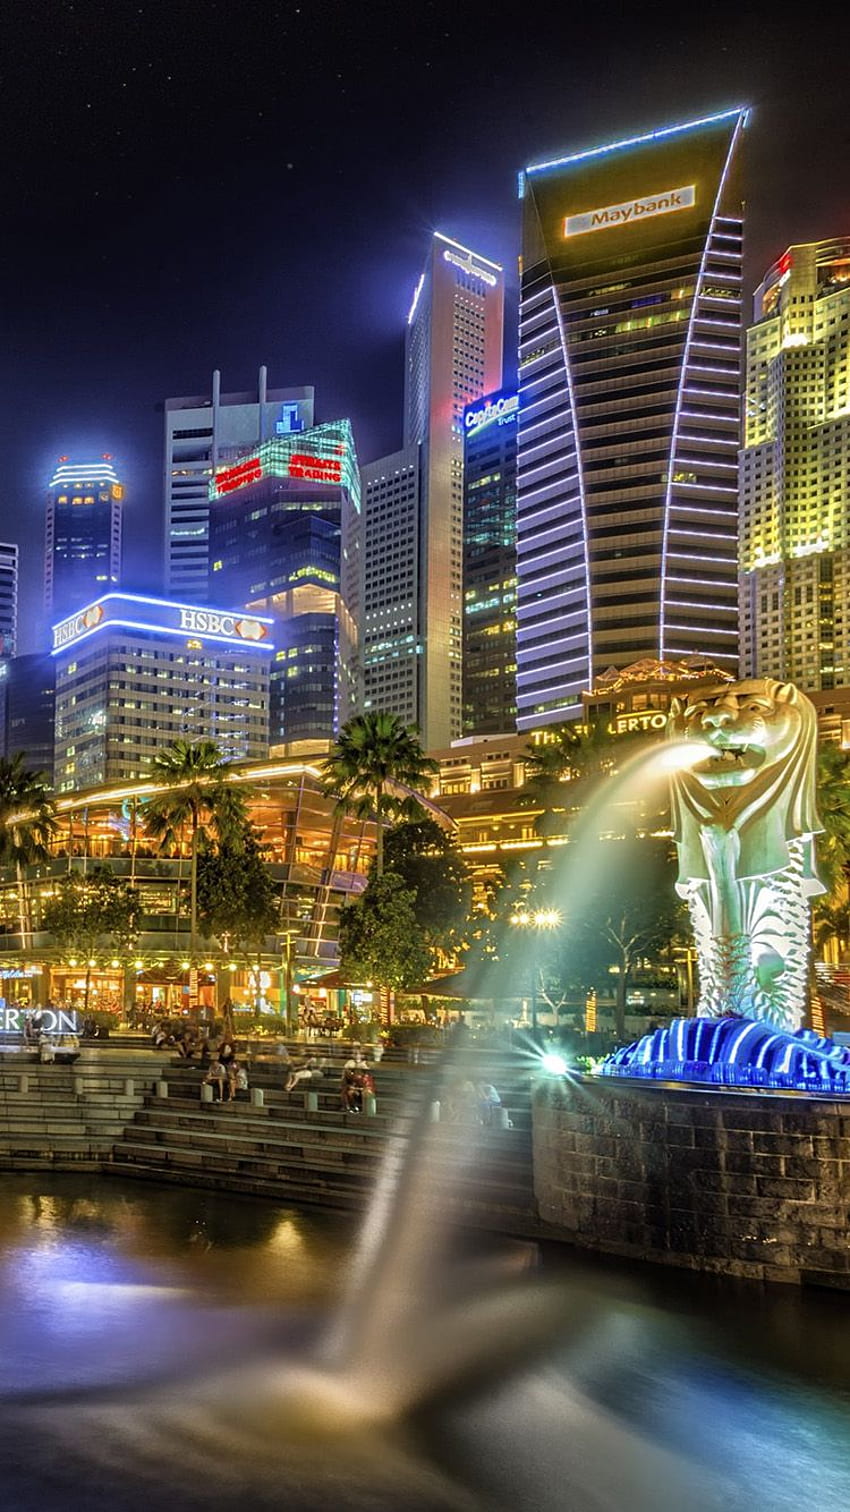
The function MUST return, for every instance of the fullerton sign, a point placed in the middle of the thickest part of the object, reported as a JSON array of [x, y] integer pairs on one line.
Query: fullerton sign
[[631, 210], [647, 719]]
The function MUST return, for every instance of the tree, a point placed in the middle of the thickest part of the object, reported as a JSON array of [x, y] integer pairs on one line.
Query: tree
[[426, 858], [833, 801], [627, 909], [27, 824], [375, 767], [379, 937], [200, 799], [237, 898], [90, 912]]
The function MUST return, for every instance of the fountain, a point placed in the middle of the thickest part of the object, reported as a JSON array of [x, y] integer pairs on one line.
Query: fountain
[[694, 1170]]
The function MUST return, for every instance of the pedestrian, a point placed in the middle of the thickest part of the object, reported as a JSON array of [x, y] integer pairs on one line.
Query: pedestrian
[[489, 1103], [310, 1070], [216, 1077]]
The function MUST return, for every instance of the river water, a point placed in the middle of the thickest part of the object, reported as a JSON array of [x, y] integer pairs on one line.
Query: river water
[[160, 1344]]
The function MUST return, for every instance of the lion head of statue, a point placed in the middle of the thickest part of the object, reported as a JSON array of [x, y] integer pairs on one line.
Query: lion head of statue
[[755, 775]]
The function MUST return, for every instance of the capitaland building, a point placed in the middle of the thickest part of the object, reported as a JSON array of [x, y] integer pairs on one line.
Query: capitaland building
[[489, 564], [795, 473], [134, 674], [83, 528], [630, 325], [284, 541], [412, 600], [318, 860], [204, 432]]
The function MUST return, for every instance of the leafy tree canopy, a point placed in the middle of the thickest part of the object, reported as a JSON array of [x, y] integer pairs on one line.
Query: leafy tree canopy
[[93, 911], [426, 858], [237, 897], [376, 766], [380, 938]]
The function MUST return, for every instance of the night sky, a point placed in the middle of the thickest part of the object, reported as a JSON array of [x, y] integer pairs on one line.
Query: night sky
[[189, 186]]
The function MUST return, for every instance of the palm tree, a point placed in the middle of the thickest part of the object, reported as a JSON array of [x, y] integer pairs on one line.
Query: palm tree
[[575, 751], [833, 801], [199, 798], [376, 766], [27, 824]]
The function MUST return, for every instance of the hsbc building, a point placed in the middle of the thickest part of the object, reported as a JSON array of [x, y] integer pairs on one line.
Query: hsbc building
[[134, 673]]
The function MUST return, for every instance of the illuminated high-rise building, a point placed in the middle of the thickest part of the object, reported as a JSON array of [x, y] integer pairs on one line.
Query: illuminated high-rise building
[[489, 564], [30, 691], [82, 543], [203, 433], [630, 323], [8, 625], [8, 598], [412, 615], [284, 537], [134, 673], [795, 472]]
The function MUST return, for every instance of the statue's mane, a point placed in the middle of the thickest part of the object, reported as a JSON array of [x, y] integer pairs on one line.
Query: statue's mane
[[776, 806]]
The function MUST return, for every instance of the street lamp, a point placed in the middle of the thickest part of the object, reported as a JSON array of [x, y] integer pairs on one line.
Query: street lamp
[[539, 918]]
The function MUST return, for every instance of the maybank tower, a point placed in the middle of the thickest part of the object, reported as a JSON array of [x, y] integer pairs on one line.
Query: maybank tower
[[630, 392]]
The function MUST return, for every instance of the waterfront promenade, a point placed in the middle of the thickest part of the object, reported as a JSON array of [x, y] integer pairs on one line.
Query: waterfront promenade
[[126, 1109]]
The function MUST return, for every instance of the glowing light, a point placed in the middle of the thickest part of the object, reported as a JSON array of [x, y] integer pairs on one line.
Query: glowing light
[[555, 1065], [416, 293], [467, 251], [649, 136]]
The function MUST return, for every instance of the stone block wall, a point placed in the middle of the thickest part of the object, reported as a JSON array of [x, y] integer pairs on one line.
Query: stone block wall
[[747, 1184]]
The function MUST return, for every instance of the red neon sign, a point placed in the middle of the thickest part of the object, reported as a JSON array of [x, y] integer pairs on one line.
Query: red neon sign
[[236, 477], [317, 469]]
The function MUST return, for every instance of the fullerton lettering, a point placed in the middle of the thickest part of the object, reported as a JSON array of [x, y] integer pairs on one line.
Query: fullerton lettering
[[631, 210]]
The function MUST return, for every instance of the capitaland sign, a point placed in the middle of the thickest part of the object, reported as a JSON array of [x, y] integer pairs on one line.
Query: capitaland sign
[[210, 622], [647, 719], [631, 211], [501, 411]]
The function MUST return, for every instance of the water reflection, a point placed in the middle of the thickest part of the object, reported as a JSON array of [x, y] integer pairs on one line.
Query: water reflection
[[662, 1390]]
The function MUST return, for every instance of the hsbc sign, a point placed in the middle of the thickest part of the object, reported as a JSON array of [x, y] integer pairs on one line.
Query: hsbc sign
[[131, 611], [631, 211]]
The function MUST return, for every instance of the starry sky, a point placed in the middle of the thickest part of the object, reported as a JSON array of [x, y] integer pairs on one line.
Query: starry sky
[[197, 185]]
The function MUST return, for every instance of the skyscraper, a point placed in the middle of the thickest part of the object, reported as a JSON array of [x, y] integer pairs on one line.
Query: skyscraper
[[795, 471], [135, 673], [82, 542], [8, 625], [413, 500], [30, 692], [8, 599], [630, 322], [201, 434], [489, 564], [284, 533]]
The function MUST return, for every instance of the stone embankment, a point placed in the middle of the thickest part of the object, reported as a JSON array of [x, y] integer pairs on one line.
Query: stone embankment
[[141, 1114], [740, 1183]]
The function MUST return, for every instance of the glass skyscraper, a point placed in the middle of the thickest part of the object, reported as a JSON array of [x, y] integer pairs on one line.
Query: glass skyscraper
[[82, 546], [630, 327], [489, 564]]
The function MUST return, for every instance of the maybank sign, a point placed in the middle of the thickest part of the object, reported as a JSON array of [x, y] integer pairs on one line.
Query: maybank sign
[[501, 411], [631, 211], [131, 611]]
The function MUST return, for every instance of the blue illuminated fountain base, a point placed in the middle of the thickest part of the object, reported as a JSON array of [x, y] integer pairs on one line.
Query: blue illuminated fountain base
[[735, 1052]]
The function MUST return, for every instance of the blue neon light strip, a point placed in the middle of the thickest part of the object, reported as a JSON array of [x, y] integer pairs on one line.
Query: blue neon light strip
[[649, 136], [138, 598], [200, 635], [690, 340]]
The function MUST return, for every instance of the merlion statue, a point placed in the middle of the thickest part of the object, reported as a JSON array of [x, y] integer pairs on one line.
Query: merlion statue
[[745, 821]]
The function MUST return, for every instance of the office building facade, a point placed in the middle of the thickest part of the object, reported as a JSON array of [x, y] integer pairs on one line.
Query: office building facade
[[82, 537], [795, 472], [203, 433], [284, 541], [8, 624], [413, 579], [489, 564], [30, 692], [630, 323], [134, 674]]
